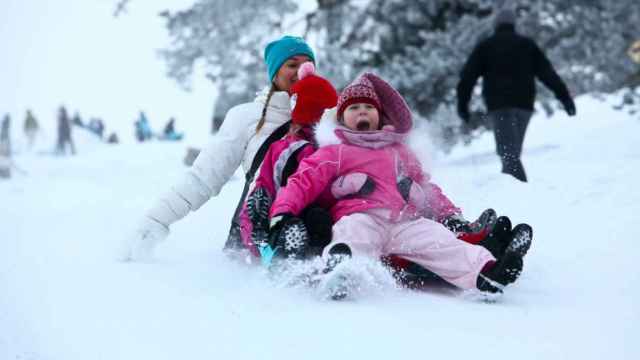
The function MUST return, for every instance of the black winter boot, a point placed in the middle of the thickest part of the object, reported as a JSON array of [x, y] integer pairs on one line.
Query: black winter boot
[[291, 239], [499, 237], [509, 265], [501, 274], [522, 236], [486, 220], [513, 166]]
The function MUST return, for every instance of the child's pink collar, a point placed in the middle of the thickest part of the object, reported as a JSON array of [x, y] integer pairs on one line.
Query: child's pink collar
[[370, 139]]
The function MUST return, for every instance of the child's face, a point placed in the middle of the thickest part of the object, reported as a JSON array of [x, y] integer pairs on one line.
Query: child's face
[[361, 117]]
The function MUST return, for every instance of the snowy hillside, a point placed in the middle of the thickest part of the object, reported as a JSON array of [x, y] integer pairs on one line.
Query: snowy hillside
[[64, 296]]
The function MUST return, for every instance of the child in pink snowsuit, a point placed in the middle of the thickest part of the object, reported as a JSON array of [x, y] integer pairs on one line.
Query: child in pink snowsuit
[[374, 121]]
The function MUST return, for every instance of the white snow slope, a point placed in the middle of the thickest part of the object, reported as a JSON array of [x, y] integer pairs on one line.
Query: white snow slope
[[64, 296]]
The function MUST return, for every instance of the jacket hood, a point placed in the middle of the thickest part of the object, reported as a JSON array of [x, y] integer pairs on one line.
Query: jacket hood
[[395, 111]]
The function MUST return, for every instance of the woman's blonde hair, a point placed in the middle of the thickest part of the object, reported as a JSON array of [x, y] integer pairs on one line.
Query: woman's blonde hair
[[264, 109]]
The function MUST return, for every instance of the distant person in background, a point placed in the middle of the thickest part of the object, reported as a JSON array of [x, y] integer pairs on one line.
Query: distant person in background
[[5, 137], [77, 120], [5, 147], [142, 128], [169, 132], [113, 139], [509, 63], [64, 134], [31, 128], [170, 128], [100, 127], [96, 126]]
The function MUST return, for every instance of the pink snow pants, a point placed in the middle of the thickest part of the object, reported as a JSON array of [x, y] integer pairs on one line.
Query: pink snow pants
[[422, 241]]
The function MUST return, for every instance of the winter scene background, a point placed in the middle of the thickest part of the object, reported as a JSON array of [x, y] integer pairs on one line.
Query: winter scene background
[[65, 295]]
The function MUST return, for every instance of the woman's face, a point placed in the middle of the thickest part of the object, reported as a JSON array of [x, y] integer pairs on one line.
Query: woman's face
[[288, 73], [361, 117]]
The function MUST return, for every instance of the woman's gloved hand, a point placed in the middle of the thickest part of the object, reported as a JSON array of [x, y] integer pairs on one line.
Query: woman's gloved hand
[[139, 246]]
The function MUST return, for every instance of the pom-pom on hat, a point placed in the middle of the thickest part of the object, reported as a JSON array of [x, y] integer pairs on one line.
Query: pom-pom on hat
[[313, 95], [278, 51]]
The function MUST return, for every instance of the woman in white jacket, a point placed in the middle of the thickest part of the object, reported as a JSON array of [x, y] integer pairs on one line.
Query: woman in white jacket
[[246, 131]]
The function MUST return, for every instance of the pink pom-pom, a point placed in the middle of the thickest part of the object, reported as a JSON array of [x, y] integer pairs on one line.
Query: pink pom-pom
[[305, 69]]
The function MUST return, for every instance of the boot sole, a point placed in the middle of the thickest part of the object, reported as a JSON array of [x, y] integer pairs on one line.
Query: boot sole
[[521, 241], [486, 221]]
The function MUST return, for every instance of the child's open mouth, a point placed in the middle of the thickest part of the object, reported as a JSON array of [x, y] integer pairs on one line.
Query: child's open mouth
[[362, 125]]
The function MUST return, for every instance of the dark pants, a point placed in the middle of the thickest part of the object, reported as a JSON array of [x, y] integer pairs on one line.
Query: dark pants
[[509, 128], [61, 146]]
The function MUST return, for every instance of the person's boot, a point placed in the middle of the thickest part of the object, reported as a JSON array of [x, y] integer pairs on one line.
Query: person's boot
[[509, 265], [337, 254], [499, 237], [473, 232], [485, 222], [521, 238], [500, 274], [518, 171], [338, 285], [514, 168], [291, 239]]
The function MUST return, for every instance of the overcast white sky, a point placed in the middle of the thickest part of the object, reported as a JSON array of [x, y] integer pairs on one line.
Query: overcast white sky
[[74, 52]]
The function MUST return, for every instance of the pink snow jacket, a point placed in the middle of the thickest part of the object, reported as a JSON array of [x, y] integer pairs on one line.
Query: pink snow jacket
[[385, 160], [399, 183]]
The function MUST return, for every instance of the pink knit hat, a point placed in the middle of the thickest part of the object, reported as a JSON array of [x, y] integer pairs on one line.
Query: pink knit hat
[[361, 90], [371, 89]]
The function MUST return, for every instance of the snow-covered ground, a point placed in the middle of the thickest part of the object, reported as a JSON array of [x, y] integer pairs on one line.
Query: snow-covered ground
[[64, 296]]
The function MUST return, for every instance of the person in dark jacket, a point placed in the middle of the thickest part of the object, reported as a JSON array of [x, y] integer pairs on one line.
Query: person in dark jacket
[[5, 136], [113, 139], [509, 63], [64, 133], [31, 128]]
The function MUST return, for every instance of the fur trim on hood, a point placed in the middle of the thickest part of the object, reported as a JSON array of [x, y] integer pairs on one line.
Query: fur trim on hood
[[325, 129]]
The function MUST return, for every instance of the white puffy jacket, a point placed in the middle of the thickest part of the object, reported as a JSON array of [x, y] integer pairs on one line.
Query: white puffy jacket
[[235, 143]]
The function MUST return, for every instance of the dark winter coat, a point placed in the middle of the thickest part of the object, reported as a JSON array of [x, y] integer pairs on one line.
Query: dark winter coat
[[508, 63], [64, 128]]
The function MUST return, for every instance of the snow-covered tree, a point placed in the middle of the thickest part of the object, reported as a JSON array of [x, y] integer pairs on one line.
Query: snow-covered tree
[[419, 46], [226, 39]]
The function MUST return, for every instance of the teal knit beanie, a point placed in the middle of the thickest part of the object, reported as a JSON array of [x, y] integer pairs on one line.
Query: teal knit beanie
[[278, 51]]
